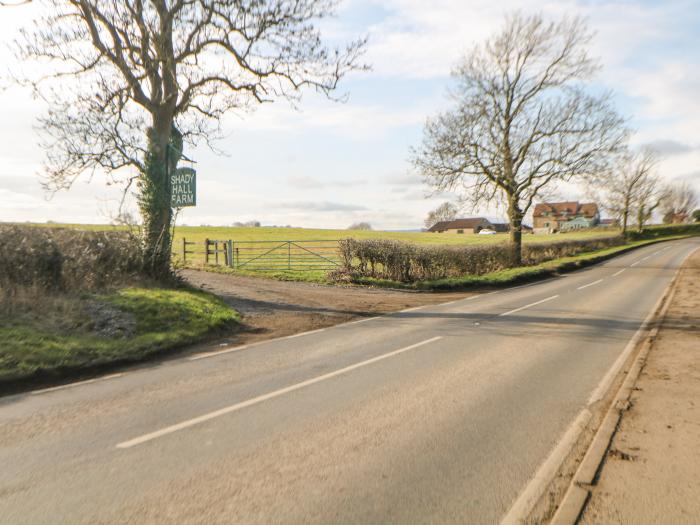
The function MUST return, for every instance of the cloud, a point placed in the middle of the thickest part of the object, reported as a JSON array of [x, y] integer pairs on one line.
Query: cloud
[[669, 147], [403, 179], [352, 119], [304, 182], [309, 183], [326, 206], [13, 200]]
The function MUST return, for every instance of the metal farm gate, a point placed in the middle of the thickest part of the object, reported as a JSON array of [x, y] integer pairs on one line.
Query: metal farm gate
[[285, 255], [263, 255]]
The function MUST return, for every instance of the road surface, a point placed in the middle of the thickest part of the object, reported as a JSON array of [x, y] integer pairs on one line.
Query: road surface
[[439, 414]]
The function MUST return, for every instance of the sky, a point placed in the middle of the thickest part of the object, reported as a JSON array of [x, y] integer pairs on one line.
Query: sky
[[327, 164]]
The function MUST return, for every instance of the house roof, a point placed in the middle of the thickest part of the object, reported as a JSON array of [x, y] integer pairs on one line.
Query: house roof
[[587, 209], [459, 224]]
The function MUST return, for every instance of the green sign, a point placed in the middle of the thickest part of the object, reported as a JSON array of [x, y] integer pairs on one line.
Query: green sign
[[184, 188]]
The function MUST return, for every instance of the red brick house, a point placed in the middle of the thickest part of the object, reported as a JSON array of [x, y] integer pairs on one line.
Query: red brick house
[[550, 217]]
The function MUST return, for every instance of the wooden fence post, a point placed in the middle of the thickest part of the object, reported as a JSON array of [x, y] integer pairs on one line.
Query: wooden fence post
[[206, 251], [184, 250]]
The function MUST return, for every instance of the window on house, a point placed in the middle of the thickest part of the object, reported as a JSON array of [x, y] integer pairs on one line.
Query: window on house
[[460, 231]]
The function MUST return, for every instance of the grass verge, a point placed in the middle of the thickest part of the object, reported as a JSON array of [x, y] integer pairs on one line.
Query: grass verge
[[518, 275], [305, 276], [70, 335]]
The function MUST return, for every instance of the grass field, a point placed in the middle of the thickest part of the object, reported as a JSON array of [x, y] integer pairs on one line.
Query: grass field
[[264, 235], [199, 233]]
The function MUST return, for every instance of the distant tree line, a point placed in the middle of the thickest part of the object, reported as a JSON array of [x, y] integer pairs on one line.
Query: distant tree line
[[360, 226]]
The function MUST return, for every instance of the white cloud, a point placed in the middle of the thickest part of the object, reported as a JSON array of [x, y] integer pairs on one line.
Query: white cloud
[[12, 201], [344, 119]]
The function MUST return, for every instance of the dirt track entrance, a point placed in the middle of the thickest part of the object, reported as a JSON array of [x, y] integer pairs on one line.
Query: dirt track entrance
[[273, 308]]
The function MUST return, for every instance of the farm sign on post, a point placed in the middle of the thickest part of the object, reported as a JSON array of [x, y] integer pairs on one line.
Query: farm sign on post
[[184, 188]]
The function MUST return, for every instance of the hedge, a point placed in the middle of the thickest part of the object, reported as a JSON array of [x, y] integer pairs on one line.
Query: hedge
[[61, 258], [404, 262]]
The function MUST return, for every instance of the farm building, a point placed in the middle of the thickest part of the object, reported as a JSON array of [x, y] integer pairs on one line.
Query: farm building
[[550, 217], [468, 226]]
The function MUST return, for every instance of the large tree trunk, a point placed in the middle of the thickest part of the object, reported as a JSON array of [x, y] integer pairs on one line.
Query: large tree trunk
[[155, 195], [515, 217]]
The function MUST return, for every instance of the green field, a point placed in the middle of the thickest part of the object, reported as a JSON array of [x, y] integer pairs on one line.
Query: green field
[[199, 233], [254, 247], [264, 235]]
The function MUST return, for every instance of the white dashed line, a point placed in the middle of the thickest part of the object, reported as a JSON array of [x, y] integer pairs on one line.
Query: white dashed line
[[589, 284], [259, 399], [618, 272], [528, 306]]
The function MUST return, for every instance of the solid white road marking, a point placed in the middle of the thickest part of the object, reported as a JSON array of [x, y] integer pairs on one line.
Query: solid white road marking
[[618, 272], [528, 305], [535, 488], [589, 284], [410, 309], [363, 320], [78, 383], [305, 333], [259, 399], [635, 263], [544, 475], [204, 355]]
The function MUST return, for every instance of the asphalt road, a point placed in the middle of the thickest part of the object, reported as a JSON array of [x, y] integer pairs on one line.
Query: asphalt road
[[441, 414]]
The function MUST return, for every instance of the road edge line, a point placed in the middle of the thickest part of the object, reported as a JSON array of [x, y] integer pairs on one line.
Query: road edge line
[[536, 487], [578, 493]]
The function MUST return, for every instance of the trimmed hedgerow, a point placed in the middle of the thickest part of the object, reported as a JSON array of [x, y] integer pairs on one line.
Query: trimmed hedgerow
[[654, 232], [404, 262], [66, 259]]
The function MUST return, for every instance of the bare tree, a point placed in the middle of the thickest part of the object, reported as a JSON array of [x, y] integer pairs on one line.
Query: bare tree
[[679, 203], [521, 119], [631, 184], [651, 195], [135, 79], [447, 211]]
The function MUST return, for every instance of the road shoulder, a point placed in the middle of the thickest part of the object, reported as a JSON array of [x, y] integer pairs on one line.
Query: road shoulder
[[650, 469]]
